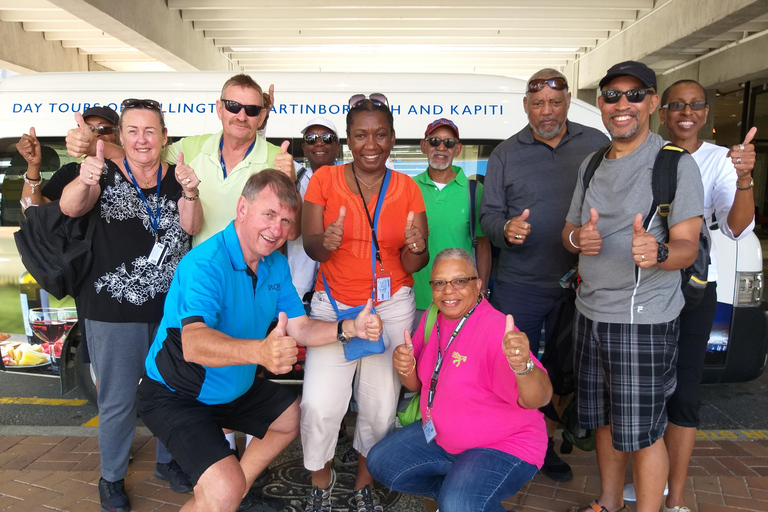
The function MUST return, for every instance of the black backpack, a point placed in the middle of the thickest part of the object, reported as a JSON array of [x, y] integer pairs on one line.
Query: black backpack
[[664, 184]]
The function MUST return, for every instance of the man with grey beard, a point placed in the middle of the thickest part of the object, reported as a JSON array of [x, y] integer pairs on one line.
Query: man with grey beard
[[528, 186]]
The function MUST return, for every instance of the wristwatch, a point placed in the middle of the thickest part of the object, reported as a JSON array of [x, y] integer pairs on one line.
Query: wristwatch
[[341, 335], [663, 253], [528, 368]]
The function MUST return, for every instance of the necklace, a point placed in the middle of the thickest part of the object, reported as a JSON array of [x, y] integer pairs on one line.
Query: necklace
[[372, 184]]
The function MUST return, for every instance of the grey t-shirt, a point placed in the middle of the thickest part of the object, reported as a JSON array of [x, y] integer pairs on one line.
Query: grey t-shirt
[[613, 288]]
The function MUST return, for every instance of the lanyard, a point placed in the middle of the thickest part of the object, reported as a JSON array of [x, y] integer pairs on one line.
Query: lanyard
[[368, 214], [221, 154], [154, 221], [439, 362]]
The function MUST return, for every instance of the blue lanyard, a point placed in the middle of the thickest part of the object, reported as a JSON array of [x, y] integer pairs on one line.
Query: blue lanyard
[[154, 221], [221, 154], [439, 362]]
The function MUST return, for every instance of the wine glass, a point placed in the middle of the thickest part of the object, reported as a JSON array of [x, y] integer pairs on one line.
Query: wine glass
[[51, 325]]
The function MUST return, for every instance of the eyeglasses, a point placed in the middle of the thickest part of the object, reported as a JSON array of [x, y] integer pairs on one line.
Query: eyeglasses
[[633, 96], [102, 130], [326, 138], [376, 98], [678, 106], [556, 83], [458, 284], [235, 108], [134, 103], [435, 142]]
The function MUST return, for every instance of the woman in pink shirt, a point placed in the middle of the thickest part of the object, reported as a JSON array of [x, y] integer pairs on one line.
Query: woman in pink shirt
[[481, 437]]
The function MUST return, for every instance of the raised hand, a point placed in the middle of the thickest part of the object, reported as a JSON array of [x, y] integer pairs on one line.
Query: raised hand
[[284, 161], [590, 239], [516, 346], [334, 232], [402, 356], [516, 228], [743, 156], [414, 239], [279, 351], [368, 325], [29, 147], [645, 248], [80, 140], [93, 166], [186, 177]]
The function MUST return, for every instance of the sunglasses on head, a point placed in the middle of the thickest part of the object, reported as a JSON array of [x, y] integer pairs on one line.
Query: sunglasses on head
[[679, 106], [556, 83], [134, 103], [376, 98], [327, 139], [435, 142], [633, 96], [235, 108], [102, 130]]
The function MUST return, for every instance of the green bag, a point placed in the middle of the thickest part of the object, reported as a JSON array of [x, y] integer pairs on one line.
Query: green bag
[[412, 413]]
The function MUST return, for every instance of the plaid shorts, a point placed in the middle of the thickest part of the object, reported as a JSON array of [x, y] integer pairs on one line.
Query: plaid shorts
[[625, 374]]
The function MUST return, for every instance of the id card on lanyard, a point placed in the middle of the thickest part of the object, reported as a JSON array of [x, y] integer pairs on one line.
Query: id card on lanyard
[[159, 249]]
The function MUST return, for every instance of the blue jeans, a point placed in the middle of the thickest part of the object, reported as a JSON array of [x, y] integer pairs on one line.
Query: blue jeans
[[477, 479]]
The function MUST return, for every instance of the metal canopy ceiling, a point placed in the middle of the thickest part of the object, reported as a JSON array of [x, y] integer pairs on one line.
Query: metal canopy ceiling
[[502, 37]]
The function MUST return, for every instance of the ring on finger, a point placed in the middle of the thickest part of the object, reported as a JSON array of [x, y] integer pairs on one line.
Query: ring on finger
[[642, 257], [517, 351], [741, 147], [738, 159], [90, 175], [518, 237], [414, 245], [187, 181]]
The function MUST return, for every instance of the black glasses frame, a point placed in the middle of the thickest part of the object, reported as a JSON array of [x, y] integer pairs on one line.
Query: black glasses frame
[[235, 108], [146, 103], [102, 130], [633, 95], [458, 284], [556, 83], [679, 106], [436, 141]]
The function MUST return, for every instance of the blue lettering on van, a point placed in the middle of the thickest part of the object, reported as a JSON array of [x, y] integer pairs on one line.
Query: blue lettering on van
[[321, 109], [283, 109], [412, 110], [26, 107], [395, 109], [454, 110], [334, 109]]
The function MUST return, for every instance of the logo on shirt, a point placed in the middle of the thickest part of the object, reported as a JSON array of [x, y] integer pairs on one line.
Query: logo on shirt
[[458, 359], [274, 287]]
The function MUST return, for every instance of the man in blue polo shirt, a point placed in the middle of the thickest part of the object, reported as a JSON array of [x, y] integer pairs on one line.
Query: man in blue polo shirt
[[201, 368]]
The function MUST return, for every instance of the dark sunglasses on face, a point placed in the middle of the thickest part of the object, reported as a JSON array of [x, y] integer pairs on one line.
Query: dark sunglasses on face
[[102, 130], [556, 83], [679, 106], [326, 138], [134, 103], [458, 284], [376, 98], [633, 96], [235, 108], [435, 142]]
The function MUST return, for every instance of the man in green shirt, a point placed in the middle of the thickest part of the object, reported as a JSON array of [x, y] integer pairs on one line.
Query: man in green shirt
[[445, 189]]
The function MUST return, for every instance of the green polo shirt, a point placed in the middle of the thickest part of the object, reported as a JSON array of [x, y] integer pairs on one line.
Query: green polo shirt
[[448, 221]]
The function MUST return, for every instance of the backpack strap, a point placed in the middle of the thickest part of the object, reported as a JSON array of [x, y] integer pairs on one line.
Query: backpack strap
[[472, 212], [430, 323], [664, 183], [593, 164]]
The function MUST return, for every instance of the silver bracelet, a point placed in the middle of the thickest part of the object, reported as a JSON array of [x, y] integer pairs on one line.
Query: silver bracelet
[[570, 239], [751, 184], [31, 182]]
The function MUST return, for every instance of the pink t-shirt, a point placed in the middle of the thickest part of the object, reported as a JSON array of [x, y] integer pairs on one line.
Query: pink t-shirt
[[475, 404]]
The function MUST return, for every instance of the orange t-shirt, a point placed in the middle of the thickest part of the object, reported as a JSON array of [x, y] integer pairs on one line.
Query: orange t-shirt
[[348, 271]]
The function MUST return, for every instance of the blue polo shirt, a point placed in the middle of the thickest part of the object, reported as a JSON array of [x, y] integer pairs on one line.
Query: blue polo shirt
[[213, 285]]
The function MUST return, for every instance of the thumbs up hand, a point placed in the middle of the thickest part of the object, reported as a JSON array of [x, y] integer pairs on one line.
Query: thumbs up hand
[[645, 248], [279, 351], [743, 157], [368, 325], [414, 239], [93, 166], [590, 239], [284, 161], [516, 346], [402, 357], [29, 147], [516, 228], [334, 232], [80, 140], [186, 177]]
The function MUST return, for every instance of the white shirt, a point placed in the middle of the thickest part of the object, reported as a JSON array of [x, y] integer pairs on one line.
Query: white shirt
[[303, 268]]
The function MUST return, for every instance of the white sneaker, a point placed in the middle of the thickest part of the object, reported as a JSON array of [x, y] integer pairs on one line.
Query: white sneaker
[[629, 495], [681, 508]]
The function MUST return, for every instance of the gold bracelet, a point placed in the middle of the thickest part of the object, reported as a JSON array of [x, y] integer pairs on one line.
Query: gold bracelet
[[193, 198], [412, 368]]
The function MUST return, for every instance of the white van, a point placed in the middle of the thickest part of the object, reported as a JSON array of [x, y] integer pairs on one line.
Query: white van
[[487, 110]]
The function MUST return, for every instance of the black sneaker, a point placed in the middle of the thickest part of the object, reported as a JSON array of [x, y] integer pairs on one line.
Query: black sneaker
[[173, 474], [554, 467], [366, 500], [319, 500], [113, 497], [254, 501]]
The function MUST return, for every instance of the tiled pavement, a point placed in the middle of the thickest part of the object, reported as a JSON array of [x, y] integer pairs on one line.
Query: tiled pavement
[[44, 473]]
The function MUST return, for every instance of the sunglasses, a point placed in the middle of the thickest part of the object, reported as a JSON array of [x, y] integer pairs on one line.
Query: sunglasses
[[679, 106], [102, 130], [134, 103], [435, 142], [235, 108], [458, 284], [327, 139], [633, 96], [376, 98], [556, 83]]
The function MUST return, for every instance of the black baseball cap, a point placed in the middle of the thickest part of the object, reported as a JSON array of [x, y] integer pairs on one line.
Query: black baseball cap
[[631, 68], [104, 113]]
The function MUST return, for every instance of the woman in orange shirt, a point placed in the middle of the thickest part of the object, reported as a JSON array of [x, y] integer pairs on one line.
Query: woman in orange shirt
[[368, 244]]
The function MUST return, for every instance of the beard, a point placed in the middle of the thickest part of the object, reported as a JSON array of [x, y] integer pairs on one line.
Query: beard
[[547, 134], [626, 135], [439, 166]]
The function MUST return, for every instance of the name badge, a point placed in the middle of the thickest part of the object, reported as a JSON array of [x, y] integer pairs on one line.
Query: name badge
[[429, 431], [383, 289], [157, 255]]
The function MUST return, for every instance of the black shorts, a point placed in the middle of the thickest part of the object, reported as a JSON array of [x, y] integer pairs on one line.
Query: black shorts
[[191, 430]]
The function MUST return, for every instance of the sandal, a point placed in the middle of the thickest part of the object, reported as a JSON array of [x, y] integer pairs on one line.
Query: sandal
[[595, 507]]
